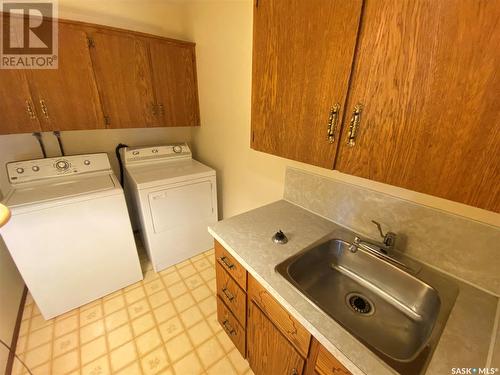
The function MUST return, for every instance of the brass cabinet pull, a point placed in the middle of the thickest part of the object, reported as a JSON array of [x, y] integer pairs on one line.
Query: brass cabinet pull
[[332, 122], [162, 109], [228, 294], [226, 263], [230, 330], [154, 109], [353, 126], [30, 111], [294, 372], [45, 110]]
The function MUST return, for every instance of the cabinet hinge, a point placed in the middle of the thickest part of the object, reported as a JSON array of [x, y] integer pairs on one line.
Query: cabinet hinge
[[256, 3], [107, 120], [253, 136], [90, 42]]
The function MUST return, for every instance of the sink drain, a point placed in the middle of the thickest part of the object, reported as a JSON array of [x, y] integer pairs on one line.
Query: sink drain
[[359, 304]]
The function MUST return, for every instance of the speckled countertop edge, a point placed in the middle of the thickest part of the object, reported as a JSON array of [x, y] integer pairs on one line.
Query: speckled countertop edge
[[247, 238]]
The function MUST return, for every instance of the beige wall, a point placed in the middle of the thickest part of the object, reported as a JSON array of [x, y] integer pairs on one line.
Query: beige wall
[[222, 31]]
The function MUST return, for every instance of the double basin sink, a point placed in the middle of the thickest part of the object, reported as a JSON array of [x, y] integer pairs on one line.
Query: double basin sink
[[396, 307]]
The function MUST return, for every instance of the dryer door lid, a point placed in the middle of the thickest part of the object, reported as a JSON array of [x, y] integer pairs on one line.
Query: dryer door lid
[[181, 206]]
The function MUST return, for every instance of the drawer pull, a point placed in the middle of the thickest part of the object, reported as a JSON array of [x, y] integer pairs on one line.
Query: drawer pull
[[230, 330], [227, 294], [226, 263], [294, 372]]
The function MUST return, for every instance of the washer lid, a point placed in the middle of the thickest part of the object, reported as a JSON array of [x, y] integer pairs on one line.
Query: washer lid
[[64, 187], [157, 174]]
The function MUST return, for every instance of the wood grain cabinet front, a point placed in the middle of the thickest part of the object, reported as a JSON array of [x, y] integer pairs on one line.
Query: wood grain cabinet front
[[66, 98], [232, 327], [269, 351], [327, 364], [417, 88], [231, 265], [106, 78], [231, 293]]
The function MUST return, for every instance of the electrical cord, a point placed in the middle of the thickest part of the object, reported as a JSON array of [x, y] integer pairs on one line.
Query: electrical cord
[[57, 133], [119, 157], [15, 355], [38, 136]]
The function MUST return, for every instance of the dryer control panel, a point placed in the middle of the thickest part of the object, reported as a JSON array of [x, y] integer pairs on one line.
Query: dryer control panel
[[160, 153], [38, 169]]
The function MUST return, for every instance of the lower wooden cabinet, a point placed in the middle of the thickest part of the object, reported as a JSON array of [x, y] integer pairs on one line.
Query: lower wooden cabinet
[[327, 364], [269, 352], [264, 332], [234, 330]]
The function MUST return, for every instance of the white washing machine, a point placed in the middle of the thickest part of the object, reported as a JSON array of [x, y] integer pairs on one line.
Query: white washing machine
[[70, 234], [175, 198]]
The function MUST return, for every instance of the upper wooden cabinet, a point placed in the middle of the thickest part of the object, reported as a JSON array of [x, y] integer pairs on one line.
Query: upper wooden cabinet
[[106, 78], [121, 67], [66, 98], [17, 111], [173, 68], [423, 103], [427, 76], [302, 57]]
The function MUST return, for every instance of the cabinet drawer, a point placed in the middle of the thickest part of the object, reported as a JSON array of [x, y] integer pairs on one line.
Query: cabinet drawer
[[285, 322], [233, 296], [231, 326], [231, 265], [327, 364]]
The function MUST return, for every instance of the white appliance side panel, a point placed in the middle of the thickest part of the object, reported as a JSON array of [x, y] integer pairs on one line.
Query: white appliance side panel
[[180, 206], [71, 255], [182, 230]]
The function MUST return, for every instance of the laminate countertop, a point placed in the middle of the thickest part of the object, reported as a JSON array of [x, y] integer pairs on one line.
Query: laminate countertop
[[467, 341]]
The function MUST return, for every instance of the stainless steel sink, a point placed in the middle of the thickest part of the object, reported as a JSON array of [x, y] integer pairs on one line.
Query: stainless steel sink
[[396, 307]]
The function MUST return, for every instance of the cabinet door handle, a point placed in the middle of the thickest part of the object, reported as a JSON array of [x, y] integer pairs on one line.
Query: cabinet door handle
[[162, 109], [353, 126], [294, 372], [230, 330], [30, 111], [332, 122], [228, 294], [45, 110], [224, 260], [154, 109]]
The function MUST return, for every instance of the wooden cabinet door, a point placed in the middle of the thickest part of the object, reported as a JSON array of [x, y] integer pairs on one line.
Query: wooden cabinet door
[[17, 111], [302, 57], [268, 351], [66, 98], [427, 75], [123, 76], [174, 79]]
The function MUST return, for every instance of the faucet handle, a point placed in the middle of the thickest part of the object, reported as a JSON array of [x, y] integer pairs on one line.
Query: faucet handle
[[389, 237], [379, 227]]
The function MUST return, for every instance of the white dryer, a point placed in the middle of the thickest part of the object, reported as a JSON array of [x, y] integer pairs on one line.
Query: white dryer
[[175, 198], [70, 234]]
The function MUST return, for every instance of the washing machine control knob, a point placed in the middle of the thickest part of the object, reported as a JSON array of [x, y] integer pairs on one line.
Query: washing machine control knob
[[177, 149], [20, 170], [35, 168]]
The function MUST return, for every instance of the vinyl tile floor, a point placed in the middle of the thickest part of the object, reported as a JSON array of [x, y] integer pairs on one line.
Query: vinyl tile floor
[[164, 324]]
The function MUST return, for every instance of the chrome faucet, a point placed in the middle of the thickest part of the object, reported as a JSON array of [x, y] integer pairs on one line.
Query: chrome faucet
[[388, 243]]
